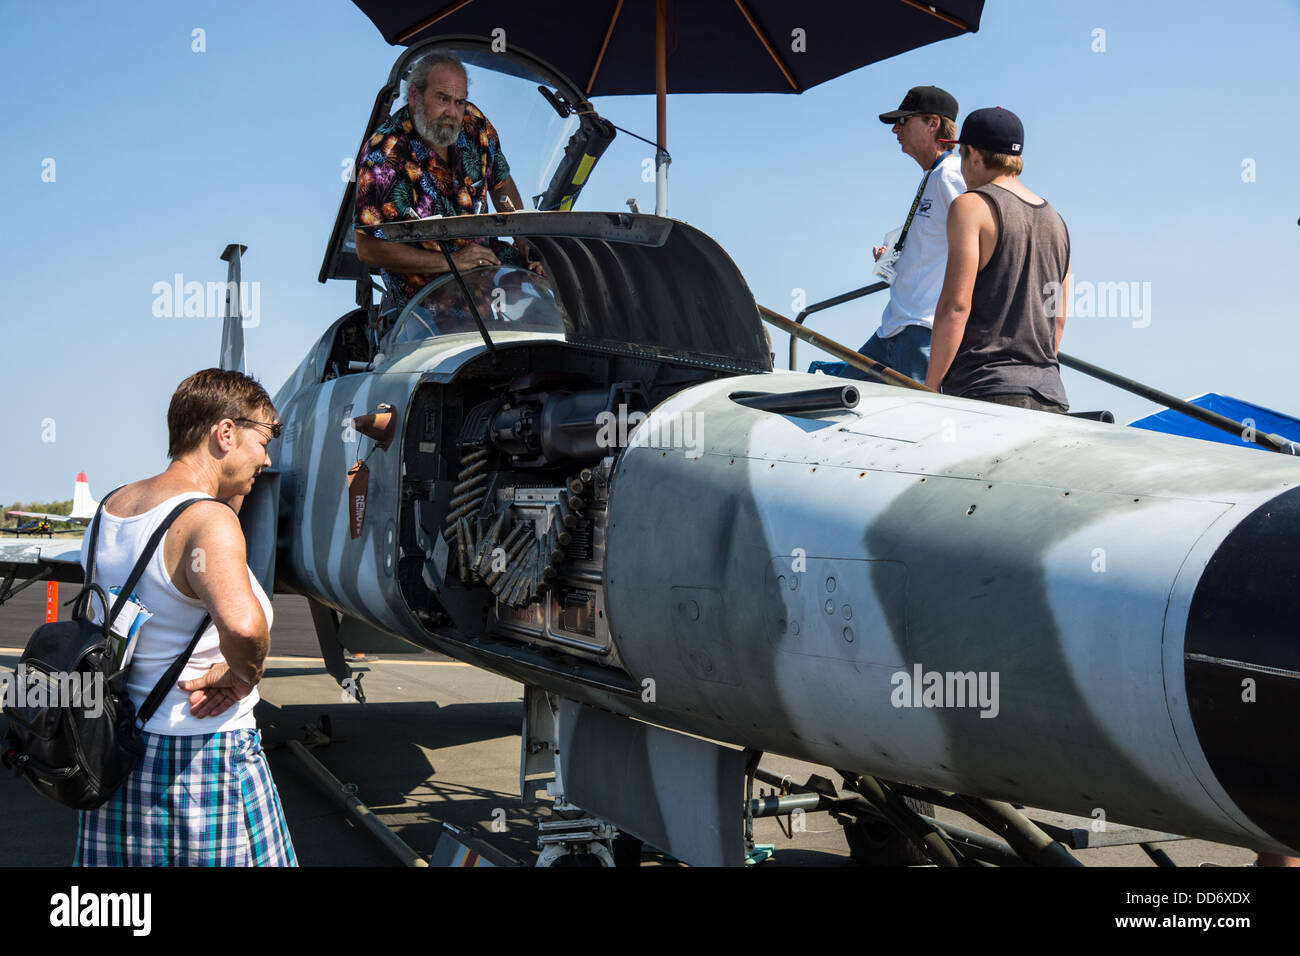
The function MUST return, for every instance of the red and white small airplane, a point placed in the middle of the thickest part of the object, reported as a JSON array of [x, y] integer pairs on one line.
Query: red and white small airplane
[[83, 505], [58, 559]]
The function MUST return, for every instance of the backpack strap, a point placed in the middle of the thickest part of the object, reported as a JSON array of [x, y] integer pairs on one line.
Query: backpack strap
[[81, 601], [155, 539], [164, 685], [83, 596]]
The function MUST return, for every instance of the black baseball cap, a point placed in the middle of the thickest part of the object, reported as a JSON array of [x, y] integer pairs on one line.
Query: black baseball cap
[[923, 99], [993, 128]]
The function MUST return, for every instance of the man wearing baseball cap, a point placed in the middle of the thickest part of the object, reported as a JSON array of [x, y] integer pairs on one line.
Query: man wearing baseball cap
[[1001, 313], [902, 342]]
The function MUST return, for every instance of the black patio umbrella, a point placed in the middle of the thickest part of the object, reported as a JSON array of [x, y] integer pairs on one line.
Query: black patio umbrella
[[613, 47]]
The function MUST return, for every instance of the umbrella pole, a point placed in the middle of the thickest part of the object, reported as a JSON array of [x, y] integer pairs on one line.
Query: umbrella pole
[[661, 104]]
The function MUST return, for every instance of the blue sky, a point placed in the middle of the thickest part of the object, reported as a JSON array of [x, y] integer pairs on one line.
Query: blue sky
[[1170, 155]]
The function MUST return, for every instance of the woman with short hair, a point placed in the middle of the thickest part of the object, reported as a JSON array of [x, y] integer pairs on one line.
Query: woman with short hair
[[202, 794]]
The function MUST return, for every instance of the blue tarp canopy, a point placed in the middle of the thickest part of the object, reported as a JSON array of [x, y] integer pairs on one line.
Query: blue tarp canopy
[[1264, 420]]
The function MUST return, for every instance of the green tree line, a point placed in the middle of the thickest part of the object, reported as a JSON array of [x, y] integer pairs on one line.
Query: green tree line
[[49, 507]]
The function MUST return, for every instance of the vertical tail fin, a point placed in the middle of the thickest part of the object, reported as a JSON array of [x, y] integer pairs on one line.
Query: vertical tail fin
[[83, 502], [232, 329]]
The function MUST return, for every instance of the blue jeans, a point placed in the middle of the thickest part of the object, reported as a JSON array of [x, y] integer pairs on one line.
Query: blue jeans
[[906, 351]]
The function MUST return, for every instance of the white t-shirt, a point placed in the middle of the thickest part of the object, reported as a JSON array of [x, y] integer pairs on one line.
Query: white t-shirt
[[167, 634], [919, 270]]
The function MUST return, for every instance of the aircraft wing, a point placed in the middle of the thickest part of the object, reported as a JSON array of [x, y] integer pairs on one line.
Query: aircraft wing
[[49, 560], [48, 517]]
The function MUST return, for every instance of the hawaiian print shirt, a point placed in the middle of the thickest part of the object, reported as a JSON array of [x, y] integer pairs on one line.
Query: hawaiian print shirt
[[399, 177]]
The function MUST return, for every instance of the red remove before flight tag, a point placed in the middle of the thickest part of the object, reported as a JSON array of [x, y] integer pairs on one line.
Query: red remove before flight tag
[[358, 480]]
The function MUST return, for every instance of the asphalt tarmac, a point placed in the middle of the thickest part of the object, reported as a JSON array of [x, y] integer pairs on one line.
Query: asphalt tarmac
[[437, 741]]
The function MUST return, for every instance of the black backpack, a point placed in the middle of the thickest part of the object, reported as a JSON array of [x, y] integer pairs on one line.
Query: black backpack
[[68, 755]]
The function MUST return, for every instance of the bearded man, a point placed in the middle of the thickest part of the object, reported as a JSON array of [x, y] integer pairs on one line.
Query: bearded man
[[437, 156]]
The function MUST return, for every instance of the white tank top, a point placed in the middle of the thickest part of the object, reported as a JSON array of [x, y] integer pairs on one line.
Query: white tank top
[[167, 634]]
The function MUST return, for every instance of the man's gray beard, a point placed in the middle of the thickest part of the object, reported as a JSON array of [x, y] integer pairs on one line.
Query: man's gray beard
[[430, 133]]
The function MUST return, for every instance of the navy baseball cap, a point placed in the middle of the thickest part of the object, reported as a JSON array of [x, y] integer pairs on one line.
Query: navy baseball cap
[[923, 99], [994, 129]]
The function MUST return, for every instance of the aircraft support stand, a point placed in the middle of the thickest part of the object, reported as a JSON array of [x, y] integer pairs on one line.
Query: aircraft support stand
[[629, 777]]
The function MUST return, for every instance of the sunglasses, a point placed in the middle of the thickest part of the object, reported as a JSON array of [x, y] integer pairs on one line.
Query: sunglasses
[[274, 426]]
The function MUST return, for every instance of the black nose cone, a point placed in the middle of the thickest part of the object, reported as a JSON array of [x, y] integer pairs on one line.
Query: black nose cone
[[1242, 663]]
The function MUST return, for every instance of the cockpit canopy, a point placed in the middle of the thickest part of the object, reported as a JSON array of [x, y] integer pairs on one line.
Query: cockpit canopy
[[509, 299]]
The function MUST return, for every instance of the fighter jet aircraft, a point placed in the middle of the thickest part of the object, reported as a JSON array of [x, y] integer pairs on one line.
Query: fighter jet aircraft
[[594, 483]]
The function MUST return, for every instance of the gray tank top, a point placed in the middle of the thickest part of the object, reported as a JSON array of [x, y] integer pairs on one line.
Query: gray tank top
[[1009, 345]]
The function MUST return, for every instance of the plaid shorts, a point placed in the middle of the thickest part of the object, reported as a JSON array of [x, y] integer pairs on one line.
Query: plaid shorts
[[206, 800]]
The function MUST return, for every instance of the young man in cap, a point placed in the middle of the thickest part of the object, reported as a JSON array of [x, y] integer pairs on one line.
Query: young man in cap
[[1001, 313], [926, 117]]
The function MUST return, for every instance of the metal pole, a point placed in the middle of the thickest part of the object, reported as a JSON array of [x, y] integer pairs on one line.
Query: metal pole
[[1022, 833], [330, 784], [780, 806], [445, 246], [990, 848], [903, 818], [1271, 442], [1158, 856], [841, 352], [661, 107], [829, 303]]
